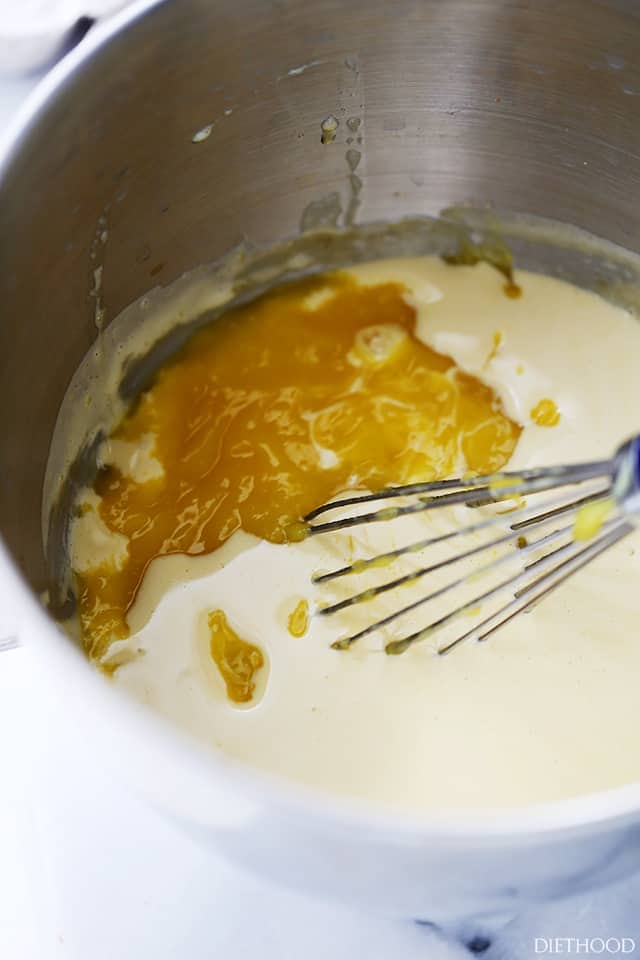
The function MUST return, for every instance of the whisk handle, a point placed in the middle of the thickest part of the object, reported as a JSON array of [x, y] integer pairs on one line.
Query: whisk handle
[[626, 475]]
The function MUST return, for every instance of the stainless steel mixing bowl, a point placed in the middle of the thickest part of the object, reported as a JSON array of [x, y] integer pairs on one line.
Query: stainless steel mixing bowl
[[183, 128]]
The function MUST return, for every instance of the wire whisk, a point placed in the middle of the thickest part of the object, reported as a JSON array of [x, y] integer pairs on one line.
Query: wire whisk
[[597, 513]]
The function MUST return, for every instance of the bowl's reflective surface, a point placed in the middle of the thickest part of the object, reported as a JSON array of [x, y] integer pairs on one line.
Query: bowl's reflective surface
[[530, 107]]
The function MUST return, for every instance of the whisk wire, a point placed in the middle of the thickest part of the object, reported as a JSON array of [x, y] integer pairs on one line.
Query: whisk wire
[[528, 517], [553, 579], [399, 646], [575, 544], [564, 474], [415, 575], [475, 490], [441, 591]]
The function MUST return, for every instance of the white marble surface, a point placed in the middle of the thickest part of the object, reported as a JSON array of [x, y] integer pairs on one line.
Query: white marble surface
[[88, 873], [34, 32]]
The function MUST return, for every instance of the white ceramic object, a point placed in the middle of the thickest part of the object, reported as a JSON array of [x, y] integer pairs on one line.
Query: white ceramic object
[[32, 32]]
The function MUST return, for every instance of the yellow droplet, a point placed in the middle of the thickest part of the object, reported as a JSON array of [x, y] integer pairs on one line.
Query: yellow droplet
[[590, 518], [498, 339], [236, 659], [329, 128], [512, 290], [296, 531], [359, 566], [473, 611], [388, 513], [298, 622], [545, 413], [504, 483]]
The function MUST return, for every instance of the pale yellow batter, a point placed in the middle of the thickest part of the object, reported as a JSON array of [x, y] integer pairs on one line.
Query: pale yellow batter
[[545, 710]]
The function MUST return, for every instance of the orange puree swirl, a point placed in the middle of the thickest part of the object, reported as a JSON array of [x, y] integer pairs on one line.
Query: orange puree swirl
[[272, 410]]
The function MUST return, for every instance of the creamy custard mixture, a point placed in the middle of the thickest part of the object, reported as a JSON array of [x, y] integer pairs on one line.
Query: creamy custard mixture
[[194, 575]]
